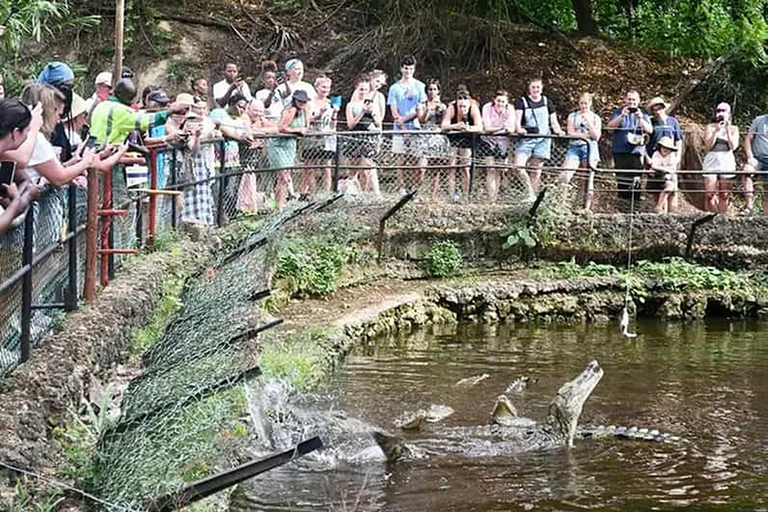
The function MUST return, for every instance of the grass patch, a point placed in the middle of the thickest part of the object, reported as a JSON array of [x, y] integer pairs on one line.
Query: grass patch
[[29, 496], [300, 359]]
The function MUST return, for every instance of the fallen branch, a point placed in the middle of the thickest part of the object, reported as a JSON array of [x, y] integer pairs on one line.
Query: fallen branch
[[701, 76]]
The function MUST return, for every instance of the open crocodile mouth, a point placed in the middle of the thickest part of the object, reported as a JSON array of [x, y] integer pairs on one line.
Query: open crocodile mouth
[[565, 409]]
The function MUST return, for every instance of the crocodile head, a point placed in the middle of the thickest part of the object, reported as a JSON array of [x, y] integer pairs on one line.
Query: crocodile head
[[565, 409], [503, 410]]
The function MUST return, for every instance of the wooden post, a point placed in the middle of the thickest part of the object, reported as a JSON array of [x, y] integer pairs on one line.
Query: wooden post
[[119, 22]]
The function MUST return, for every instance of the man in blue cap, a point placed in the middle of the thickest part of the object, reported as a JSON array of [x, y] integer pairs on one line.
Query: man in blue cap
[[60, 76]]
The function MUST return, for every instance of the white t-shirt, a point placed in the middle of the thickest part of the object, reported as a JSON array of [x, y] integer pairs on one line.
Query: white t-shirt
[[43, 152], [275, 109], [220, 90], [298, 86]]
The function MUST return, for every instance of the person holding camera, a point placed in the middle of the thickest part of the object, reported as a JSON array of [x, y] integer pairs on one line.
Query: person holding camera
[[435, 146], [756, 151], [268, 94], [363, 115], [534, 115], [630, 126], [498, 119], [233, 83], [294, 71], [721, 138]]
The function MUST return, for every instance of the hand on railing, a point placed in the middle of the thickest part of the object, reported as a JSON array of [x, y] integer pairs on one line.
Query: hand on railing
[[109, 157]]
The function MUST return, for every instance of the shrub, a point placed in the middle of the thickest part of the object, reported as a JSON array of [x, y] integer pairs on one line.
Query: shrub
[[444, 259], [312, 267]]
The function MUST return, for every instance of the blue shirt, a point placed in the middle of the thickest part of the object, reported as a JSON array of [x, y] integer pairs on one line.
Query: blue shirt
[[669, 127], [406, 99], [629, 124]]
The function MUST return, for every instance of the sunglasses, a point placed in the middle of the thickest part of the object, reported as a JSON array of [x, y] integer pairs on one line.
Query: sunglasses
[[721, 110], [242, 106]]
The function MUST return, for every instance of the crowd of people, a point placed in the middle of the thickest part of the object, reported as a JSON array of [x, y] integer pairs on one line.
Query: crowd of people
[[52, 136]]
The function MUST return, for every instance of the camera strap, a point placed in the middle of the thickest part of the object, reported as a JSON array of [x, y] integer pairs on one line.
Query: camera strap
[[526, 106]]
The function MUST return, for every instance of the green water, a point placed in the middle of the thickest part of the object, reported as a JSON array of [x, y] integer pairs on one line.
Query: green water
[[706, 382]]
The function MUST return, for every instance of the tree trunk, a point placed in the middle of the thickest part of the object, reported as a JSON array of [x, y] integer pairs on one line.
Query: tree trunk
[[584, 18]]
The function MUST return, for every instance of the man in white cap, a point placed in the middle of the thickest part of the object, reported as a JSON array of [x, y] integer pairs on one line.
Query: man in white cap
[[102, 89]]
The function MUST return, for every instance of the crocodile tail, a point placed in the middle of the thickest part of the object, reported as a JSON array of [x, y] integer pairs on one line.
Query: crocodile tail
[[392, 446], [612, 431]]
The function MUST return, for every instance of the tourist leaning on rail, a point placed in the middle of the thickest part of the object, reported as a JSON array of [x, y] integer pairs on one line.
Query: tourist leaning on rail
[[315, 150], [498, 119], [233, 83], [587, 126], [378, 80], [535, 115], [18, 133], [756, 151], [434, 146], [403, 99], [461, 120], [252, 198], [721, 138], [61, 77], [630, 126], [113, 120], [282, 150]]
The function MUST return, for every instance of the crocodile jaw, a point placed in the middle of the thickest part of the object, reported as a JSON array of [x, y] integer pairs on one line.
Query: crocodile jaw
[[565, 409]]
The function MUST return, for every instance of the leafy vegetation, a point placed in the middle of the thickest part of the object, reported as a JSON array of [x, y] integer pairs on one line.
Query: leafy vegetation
[[443, 259], [31, 497]]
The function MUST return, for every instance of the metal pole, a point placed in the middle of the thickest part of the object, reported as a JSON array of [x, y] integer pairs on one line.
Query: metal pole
[[91, 234], [152, 199], [220, 205], [119, 23], [26, 285], [70, 300], [472, 159], [336, 165], [171, 177]]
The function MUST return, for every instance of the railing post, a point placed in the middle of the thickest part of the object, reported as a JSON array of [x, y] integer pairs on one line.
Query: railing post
[[26, 285], [152, 214], [70, 299], [336, 165], [220, 204], [170, 178], [590, 191], [472, 169], [140, 220]]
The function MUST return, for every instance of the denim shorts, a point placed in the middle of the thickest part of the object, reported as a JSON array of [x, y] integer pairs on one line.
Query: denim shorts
[[537, 148], [580, 153]]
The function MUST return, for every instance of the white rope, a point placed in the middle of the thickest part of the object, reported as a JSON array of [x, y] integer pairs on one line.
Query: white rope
[[56, 483], [624, 321]]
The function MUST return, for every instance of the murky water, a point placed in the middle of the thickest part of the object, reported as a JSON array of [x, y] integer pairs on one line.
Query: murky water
[[707, 382]]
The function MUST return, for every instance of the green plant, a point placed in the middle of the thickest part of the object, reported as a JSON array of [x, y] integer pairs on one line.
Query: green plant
[[520, 234], [443, 259], [311, 267], [299, 358], [169, 304]]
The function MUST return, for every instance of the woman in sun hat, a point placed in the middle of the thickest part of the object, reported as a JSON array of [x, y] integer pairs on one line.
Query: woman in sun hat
[[721, 138]]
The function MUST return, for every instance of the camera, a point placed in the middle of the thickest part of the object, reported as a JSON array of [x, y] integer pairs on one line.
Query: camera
[[719, 118], [533, 130], [367, 101], [632, 110]]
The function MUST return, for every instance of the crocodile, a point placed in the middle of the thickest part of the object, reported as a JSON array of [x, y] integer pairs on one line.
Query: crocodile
[[557, 429]]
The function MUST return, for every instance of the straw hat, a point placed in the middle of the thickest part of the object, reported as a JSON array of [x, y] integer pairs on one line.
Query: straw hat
[[658, 100], [666, 142], [185, 99], [79, 106]]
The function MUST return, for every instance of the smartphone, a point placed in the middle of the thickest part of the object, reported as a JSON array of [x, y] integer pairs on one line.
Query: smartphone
[[632, 110], [367, 101], [90, 142], [7, 172]]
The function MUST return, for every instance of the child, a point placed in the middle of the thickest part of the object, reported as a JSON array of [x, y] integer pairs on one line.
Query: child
[[663, 164]]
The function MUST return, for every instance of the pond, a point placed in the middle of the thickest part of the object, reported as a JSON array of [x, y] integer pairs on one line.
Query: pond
[[706, 382]]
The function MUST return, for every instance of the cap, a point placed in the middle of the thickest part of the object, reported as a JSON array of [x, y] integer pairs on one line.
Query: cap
[[300, 95], [55, 73], [105, 78], [159, 97]]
